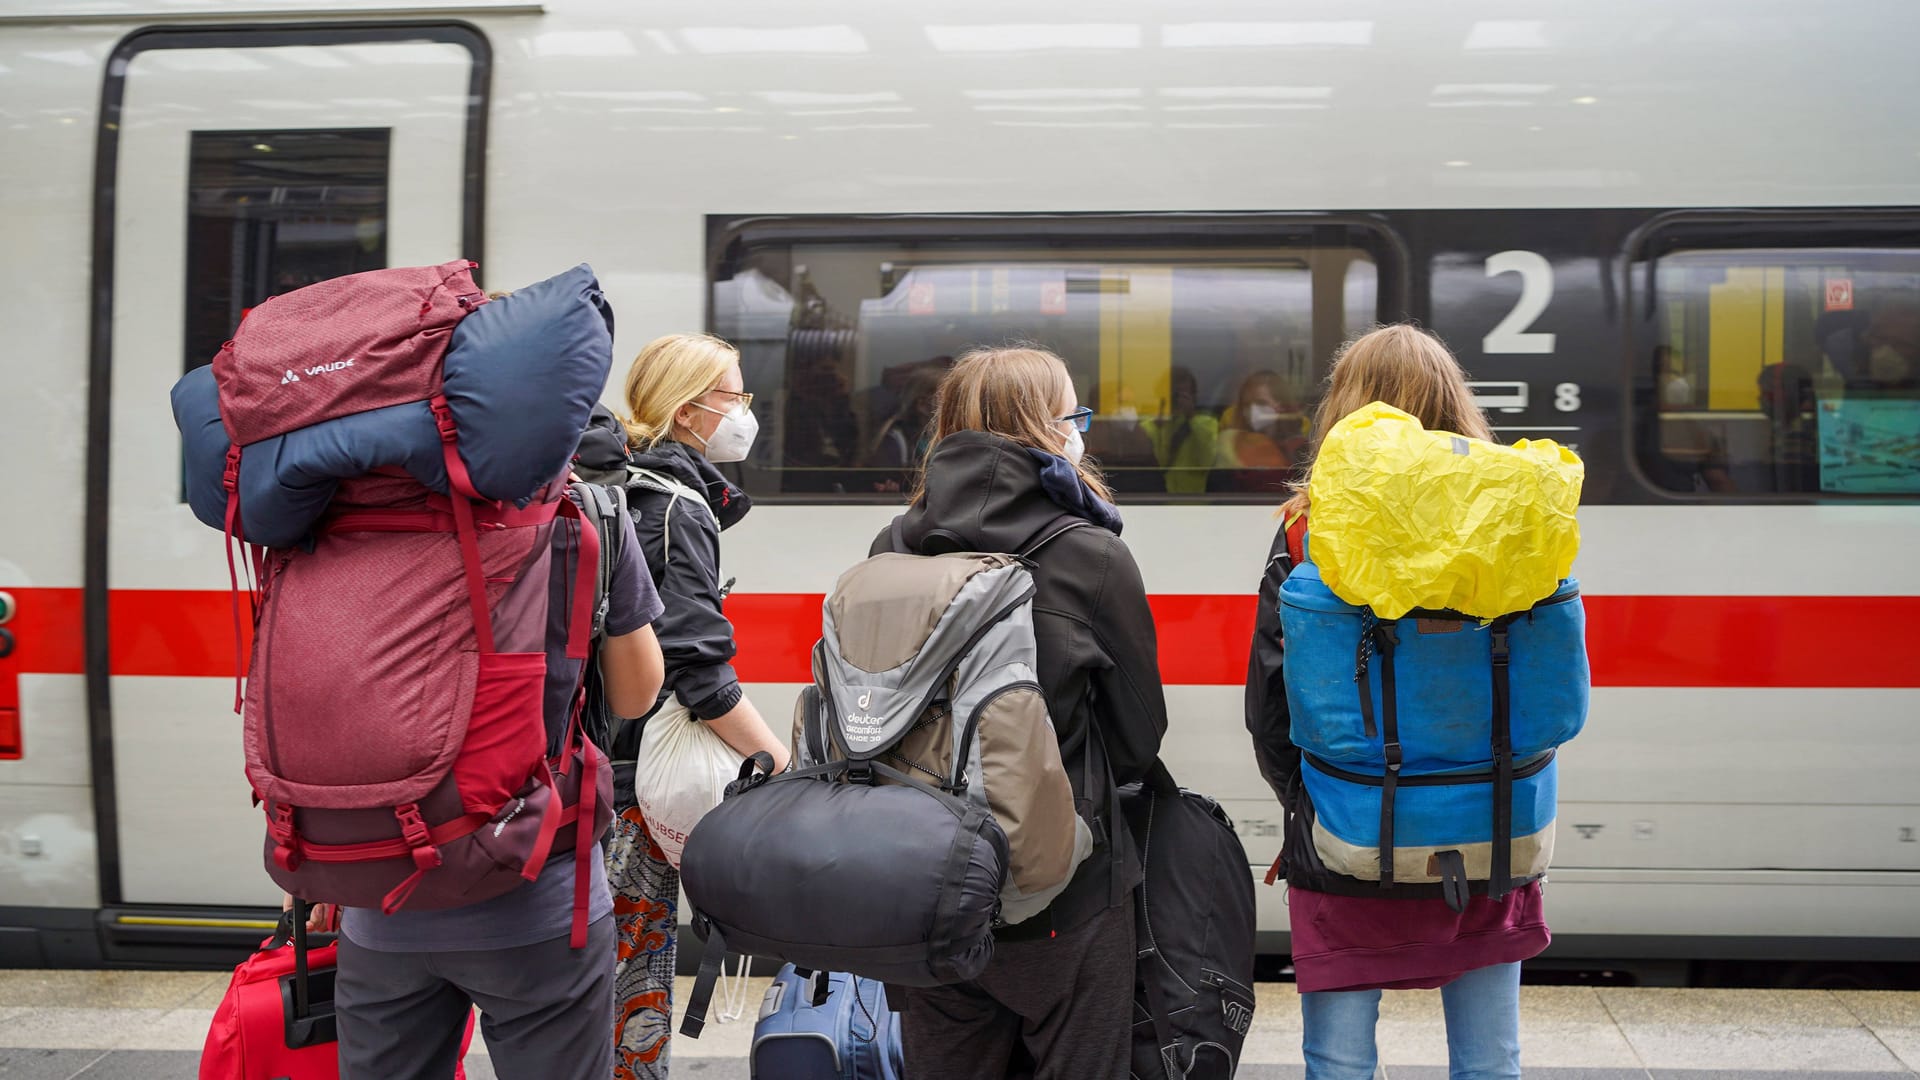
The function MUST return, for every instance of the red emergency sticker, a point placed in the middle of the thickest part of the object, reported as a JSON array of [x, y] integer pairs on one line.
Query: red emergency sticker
[[1839, 294]]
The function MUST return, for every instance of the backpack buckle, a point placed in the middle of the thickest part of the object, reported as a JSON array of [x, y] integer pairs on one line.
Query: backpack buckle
[[860, 772], [414, 828], [230, 480], [443, 419], [286, 842]]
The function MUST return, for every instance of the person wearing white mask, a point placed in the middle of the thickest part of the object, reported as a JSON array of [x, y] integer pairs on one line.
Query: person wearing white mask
[[1260, 441], [687, 409], [1008, 472]]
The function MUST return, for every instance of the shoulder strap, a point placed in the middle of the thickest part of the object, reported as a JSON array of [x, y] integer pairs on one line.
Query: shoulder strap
[[1297, 540], [660, 483], [1051, 531], [605, 504]]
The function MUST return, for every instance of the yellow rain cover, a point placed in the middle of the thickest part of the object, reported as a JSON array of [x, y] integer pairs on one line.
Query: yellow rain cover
[[1408, 518]]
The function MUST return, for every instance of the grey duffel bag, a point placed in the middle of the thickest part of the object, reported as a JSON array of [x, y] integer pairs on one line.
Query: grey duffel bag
[[898, 882]]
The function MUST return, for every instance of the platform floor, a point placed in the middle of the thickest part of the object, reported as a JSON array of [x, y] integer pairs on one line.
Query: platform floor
[[119, 1025]]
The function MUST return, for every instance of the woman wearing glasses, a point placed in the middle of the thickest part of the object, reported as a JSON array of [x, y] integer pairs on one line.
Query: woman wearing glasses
[[1006, 473], [686, 411]]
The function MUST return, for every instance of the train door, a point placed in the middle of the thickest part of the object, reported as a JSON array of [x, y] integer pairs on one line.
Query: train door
[[239, 164]]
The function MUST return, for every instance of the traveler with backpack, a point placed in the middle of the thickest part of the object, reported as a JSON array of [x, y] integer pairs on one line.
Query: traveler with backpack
[[687, 409], [1459, 917], [1006, 474], [406, 982]]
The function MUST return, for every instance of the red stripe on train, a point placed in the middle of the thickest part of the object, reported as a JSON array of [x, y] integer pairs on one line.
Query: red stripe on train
[[1711, 641]]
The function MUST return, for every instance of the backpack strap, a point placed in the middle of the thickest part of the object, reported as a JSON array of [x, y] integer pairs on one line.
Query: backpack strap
[[605, 505], [1297, 540], [1052, 531], [662, 484], [1500, 873]]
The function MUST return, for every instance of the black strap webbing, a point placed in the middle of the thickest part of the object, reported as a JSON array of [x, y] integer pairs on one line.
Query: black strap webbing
[[302, 993], [1162, 1011], [1360, 654], [1453, 879], [1390, 727], [1500, 875], [716, 955]]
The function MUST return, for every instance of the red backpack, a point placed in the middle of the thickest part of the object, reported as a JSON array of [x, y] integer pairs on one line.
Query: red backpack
[[395, 697]]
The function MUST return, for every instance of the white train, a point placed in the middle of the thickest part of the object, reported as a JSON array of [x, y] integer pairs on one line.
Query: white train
[[1684, 238]]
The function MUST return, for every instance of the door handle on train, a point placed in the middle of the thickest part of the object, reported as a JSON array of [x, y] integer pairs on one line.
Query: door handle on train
[[6, 643]]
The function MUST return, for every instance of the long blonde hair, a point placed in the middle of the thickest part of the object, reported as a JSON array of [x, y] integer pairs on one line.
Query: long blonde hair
[[1409, 369], [1013, 392], [667, 376]]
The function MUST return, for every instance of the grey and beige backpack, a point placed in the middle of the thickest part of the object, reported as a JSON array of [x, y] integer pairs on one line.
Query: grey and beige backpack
[[928, 803]]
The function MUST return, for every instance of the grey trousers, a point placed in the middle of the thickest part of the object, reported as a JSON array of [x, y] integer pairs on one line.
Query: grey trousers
[[1058, 1009], [546, 1009]]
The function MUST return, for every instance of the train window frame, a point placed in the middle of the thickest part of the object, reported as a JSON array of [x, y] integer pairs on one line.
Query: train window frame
[[96, 653], [731, 237], [1810, 229]]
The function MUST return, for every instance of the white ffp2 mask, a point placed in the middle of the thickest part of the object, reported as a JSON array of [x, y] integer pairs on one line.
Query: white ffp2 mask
[[733, 437]]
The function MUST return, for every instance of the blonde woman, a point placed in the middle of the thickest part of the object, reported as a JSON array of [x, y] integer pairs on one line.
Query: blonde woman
[[1349, 942], [687, 410], [1007, 470]]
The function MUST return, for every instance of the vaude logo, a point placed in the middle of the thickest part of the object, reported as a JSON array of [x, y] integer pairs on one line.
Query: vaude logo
[[320, 369]]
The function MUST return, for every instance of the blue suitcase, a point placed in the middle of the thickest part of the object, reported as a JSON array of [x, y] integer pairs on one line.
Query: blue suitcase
[[851, 1035]]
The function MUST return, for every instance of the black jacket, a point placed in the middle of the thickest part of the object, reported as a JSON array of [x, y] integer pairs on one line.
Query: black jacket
[[1095, 634], [682, 543]]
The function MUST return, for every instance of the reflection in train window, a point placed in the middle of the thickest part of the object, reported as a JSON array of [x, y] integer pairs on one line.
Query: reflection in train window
[[1201, 359], [271, 211], [1783, 371]]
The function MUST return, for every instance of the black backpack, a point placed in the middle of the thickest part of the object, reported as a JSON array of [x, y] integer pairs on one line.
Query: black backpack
[[1194, 928]]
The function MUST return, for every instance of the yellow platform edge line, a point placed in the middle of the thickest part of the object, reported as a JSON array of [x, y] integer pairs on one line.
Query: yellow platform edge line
[[217, 924]]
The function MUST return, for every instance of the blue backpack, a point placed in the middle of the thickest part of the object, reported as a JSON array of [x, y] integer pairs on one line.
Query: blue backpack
[[1427, 742]]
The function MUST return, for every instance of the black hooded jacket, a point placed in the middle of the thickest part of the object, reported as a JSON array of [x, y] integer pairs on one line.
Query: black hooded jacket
[[681, 540], [1097, 658]]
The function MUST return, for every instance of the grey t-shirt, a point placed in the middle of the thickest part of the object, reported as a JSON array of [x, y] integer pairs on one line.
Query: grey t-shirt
[[542, 909]]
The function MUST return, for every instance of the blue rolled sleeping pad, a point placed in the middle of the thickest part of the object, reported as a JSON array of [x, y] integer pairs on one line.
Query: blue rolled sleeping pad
[[521, 375]]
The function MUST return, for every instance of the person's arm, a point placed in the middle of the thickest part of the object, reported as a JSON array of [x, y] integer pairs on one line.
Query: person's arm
[[633, 670], [697, 640], [1132, 707], [742, 728], [1267, 718]]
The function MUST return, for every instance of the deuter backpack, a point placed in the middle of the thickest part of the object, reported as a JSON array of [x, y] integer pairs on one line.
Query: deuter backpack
[[395, 700], [928, 804]]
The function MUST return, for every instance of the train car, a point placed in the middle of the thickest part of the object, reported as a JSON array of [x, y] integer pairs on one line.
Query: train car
[[1683, 239]]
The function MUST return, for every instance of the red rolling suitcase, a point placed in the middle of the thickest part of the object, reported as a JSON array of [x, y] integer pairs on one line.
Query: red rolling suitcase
[[276, 1020]]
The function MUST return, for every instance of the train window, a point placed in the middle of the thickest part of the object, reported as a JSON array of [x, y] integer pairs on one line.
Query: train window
[[1773, 369], [271, 211], [1201, 352]]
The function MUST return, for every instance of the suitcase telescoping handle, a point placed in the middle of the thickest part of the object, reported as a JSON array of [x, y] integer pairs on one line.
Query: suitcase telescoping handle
[[306, 1024]]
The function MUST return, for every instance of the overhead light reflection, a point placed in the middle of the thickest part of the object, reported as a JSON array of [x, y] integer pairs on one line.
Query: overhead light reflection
[[1016, 37], [1506, 34], [1048, 93], [774, 39], [1445, 89], [1230, 35], [810, 97], [583, 43]]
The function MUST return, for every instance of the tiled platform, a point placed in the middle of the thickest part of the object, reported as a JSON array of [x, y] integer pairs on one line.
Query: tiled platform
[[116, 1025]]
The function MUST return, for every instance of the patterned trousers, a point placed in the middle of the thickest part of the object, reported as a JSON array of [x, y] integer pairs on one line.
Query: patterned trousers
[[646, 899]]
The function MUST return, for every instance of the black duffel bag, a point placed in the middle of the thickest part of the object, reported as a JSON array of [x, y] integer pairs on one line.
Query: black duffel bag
[[897, 882], [1194, 927]]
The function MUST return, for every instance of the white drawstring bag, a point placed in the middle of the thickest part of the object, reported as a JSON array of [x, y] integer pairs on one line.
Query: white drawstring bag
[[681, 772]]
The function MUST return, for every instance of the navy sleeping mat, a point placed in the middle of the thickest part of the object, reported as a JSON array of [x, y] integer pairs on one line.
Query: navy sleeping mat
[[522, 374]]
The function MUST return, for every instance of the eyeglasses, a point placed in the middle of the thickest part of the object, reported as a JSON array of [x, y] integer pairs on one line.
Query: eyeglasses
[[746, 399], [1081, 418]]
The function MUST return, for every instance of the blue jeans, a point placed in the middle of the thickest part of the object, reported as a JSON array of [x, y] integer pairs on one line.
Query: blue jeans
[[1483, 1028]]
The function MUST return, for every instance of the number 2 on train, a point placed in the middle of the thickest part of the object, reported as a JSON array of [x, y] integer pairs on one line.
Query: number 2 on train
[[1536, 288]]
